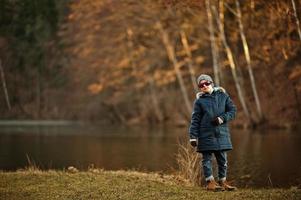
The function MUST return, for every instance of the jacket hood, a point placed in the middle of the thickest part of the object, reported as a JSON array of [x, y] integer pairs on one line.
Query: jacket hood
[[215, 89]]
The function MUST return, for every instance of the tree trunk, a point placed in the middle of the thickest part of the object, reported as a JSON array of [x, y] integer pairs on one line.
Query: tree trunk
[[219, 42], [232, 65], [214, 51], [39, 91], [155, 101], [221, 12], [172, 57], [298, 104], [130, 49], [115, 111], [4, 86], [248, 59], [130, 53], [189, 56], [297, 19]]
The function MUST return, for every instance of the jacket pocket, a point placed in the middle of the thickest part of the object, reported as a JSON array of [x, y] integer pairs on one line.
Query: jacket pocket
[[224, 131], [206, 133]]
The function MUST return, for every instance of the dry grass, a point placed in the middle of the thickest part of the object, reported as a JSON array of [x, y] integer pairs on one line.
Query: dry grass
[[189, 163], [112, 185]]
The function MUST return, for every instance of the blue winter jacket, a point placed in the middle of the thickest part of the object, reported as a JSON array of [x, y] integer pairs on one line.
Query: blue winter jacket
[[206, 108]]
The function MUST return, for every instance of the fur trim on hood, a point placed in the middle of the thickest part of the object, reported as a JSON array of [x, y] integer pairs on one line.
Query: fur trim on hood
[[199, 94]]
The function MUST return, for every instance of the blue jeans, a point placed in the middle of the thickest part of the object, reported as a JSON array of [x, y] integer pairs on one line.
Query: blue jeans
[[221, 158]]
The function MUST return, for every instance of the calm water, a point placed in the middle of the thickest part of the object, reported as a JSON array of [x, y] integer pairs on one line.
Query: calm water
[[259, 159]]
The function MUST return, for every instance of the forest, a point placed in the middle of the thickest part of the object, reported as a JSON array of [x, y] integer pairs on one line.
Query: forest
[[136, 62]]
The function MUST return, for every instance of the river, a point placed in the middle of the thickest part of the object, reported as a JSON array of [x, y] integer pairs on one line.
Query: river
[[266, 158]]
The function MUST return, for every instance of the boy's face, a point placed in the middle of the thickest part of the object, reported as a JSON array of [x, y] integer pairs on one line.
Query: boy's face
[[205, 86]]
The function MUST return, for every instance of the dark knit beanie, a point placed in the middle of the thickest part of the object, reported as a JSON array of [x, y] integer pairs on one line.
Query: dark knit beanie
[[204, 77]]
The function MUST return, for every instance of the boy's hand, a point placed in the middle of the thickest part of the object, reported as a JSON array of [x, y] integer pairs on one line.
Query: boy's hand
[[193, 142], [217, 121]]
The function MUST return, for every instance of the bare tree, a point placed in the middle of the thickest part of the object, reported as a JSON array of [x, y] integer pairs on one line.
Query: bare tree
[[219, 43], [248, 59], [155, 102], [172, 57], [297, 19], [189, 58], [154, 97], [130, 48], [214, 51], [232, 64], [4, 86], [221, 12]]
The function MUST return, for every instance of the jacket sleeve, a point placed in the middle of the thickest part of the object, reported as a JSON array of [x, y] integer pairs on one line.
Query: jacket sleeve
[[196, 117], [230, 112]]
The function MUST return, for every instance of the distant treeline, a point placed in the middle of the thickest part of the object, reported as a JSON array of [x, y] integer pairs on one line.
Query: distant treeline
[[136, 61], [27, 46]]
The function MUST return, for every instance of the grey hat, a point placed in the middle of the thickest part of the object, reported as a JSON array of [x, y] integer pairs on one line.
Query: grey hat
[[204, 77]]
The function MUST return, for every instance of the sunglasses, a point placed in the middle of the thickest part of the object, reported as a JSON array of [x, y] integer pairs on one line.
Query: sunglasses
[[204, 84]]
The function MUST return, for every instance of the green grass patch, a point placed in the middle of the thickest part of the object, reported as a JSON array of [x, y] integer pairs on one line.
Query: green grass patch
[[129, 185]]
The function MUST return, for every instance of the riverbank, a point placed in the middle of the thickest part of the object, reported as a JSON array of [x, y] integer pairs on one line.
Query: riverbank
[[237, 124], [99, 184]]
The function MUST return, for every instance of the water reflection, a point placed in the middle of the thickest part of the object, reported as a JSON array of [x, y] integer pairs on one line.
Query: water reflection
[[266, 158], [262, 158]]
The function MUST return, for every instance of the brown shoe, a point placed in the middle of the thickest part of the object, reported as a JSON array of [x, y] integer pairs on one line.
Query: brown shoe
[[213, 186], [226, 186]]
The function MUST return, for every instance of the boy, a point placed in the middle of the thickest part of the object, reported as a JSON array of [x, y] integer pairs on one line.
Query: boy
[[209, 131]]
